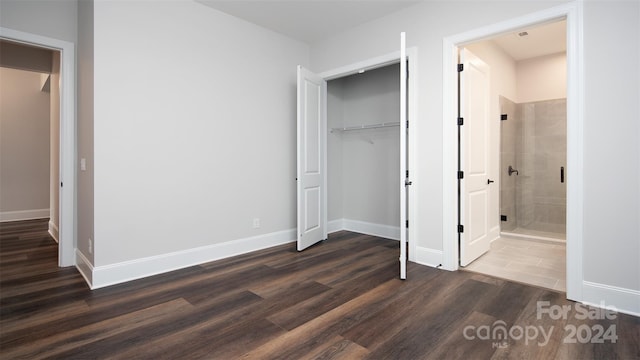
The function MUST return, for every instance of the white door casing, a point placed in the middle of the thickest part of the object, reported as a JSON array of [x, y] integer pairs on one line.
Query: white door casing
[[67, 196], [312, 158], [474, 156], [404, 129]]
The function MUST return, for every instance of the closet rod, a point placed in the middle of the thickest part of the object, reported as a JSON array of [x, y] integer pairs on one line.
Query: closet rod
[[364, 127]]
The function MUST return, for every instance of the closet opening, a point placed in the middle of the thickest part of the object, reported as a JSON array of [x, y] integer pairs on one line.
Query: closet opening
[[353, 145], [363, 152]]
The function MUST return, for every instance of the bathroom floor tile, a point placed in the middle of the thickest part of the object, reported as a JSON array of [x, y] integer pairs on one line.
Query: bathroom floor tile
[[534, 262]]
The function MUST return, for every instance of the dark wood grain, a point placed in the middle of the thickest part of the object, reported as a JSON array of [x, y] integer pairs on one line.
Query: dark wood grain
[[340, 299]]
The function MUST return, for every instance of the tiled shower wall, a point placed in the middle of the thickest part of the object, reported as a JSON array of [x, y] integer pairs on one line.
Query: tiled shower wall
[[534, 143]]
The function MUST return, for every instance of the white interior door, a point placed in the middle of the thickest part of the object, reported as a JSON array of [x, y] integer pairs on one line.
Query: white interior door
[[312, 160], [474, 153], [404, 181]]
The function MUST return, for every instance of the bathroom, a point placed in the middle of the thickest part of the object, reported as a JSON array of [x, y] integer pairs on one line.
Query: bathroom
[[529, 151]]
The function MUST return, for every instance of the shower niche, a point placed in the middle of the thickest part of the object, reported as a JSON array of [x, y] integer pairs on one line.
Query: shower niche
[[533, 153]]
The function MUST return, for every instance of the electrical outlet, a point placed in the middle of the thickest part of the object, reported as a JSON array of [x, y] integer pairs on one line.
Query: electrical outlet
[[90, 246], [256, 223]]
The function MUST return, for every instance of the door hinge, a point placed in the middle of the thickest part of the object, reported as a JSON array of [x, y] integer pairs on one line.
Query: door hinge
[[407, 223], [460, 121], [460, 67], [61, 184], [503, 117], [460, 228], [460, 174]]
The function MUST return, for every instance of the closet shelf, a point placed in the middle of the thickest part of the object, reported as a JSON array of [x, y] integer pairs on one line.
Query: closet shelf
[[364, 127]]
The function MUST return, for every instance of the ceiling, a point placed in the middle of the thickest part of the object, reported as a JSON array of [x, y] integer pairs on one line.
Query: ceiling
[[313, 20], [308, 20], [541, 40]]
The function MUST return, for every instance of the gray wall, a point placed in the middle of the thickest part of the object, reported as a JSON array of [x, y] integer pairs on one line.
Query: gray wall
[[52, 18], [24, 142], [194, 129], [85, 92], [335, 151], [369, 158]]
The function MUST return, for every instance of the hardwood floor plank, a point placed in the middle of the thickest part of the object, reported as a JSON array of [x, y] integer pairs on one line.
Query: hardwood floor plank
[[424, 331], [316, 306], [339, 299], [528, 319], [64, 342]]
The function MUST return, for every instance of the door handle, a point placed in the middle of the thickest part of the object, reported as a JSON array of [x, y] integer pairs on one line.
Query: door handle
[[489, 181], [562, 174], [407, 182]]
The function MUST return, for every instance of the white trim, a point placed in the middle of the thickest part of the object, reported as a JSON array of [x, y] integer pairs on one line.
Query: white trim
[[429, 257], [533, 237], [335, 225], [380, 230], [575, 105], [24, 215], [374, 63], [364, 227], [112, 274], [67, 222], [85, 268], [624, 300], [53, 231], [369, 64]]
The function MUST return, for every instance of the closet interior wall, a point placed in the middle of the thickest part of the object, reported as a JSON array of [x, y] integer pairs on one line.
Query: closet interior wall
[[363, 165]]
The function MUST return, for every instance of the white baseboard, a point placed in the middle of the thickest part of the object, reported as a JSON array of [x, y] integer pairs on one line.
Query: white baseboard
[[24, 215], [85, 267], [53, 231], [106, 275], [429, 257], [363, 227], [335, 225], [624, 300]]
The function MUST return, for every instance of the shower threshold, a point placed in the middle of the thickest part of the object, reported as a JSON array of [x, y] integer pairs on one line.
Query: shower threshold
[[535, 235]]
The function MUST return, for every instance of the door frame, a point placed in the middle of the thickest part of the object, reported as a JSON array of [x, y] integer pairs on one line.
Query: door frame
[[67, 231], [412, 109], [573, 13]]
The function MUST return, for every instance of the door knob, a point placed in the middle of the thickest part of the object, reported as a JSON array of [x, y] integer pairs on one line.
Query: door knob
[[489, 181]]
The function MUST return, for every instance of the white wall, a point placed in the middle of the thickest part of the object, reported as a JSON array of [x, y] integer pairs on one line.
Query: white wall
[[194, 129], [611, 133], [24, 146], [542, 78], [503, 83]]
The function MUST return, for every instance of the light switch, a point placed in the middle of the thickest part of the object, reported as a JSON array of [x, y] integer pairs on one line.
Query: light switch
[[83, 164]]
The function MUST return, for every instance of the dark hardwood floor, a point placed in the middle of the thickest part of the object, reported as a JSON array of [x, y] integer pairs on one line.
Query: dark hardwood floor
[[339, 299]]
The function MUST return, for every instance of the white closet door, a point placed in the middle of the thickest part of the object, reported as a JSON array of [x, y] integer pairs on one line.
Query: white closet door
[[403, 157], [474, 156], [312, 161]]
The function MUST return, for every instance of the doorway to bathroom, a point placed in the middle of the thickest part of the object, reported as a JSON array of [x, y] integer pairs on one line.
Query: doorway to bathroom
[[514, 213]]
